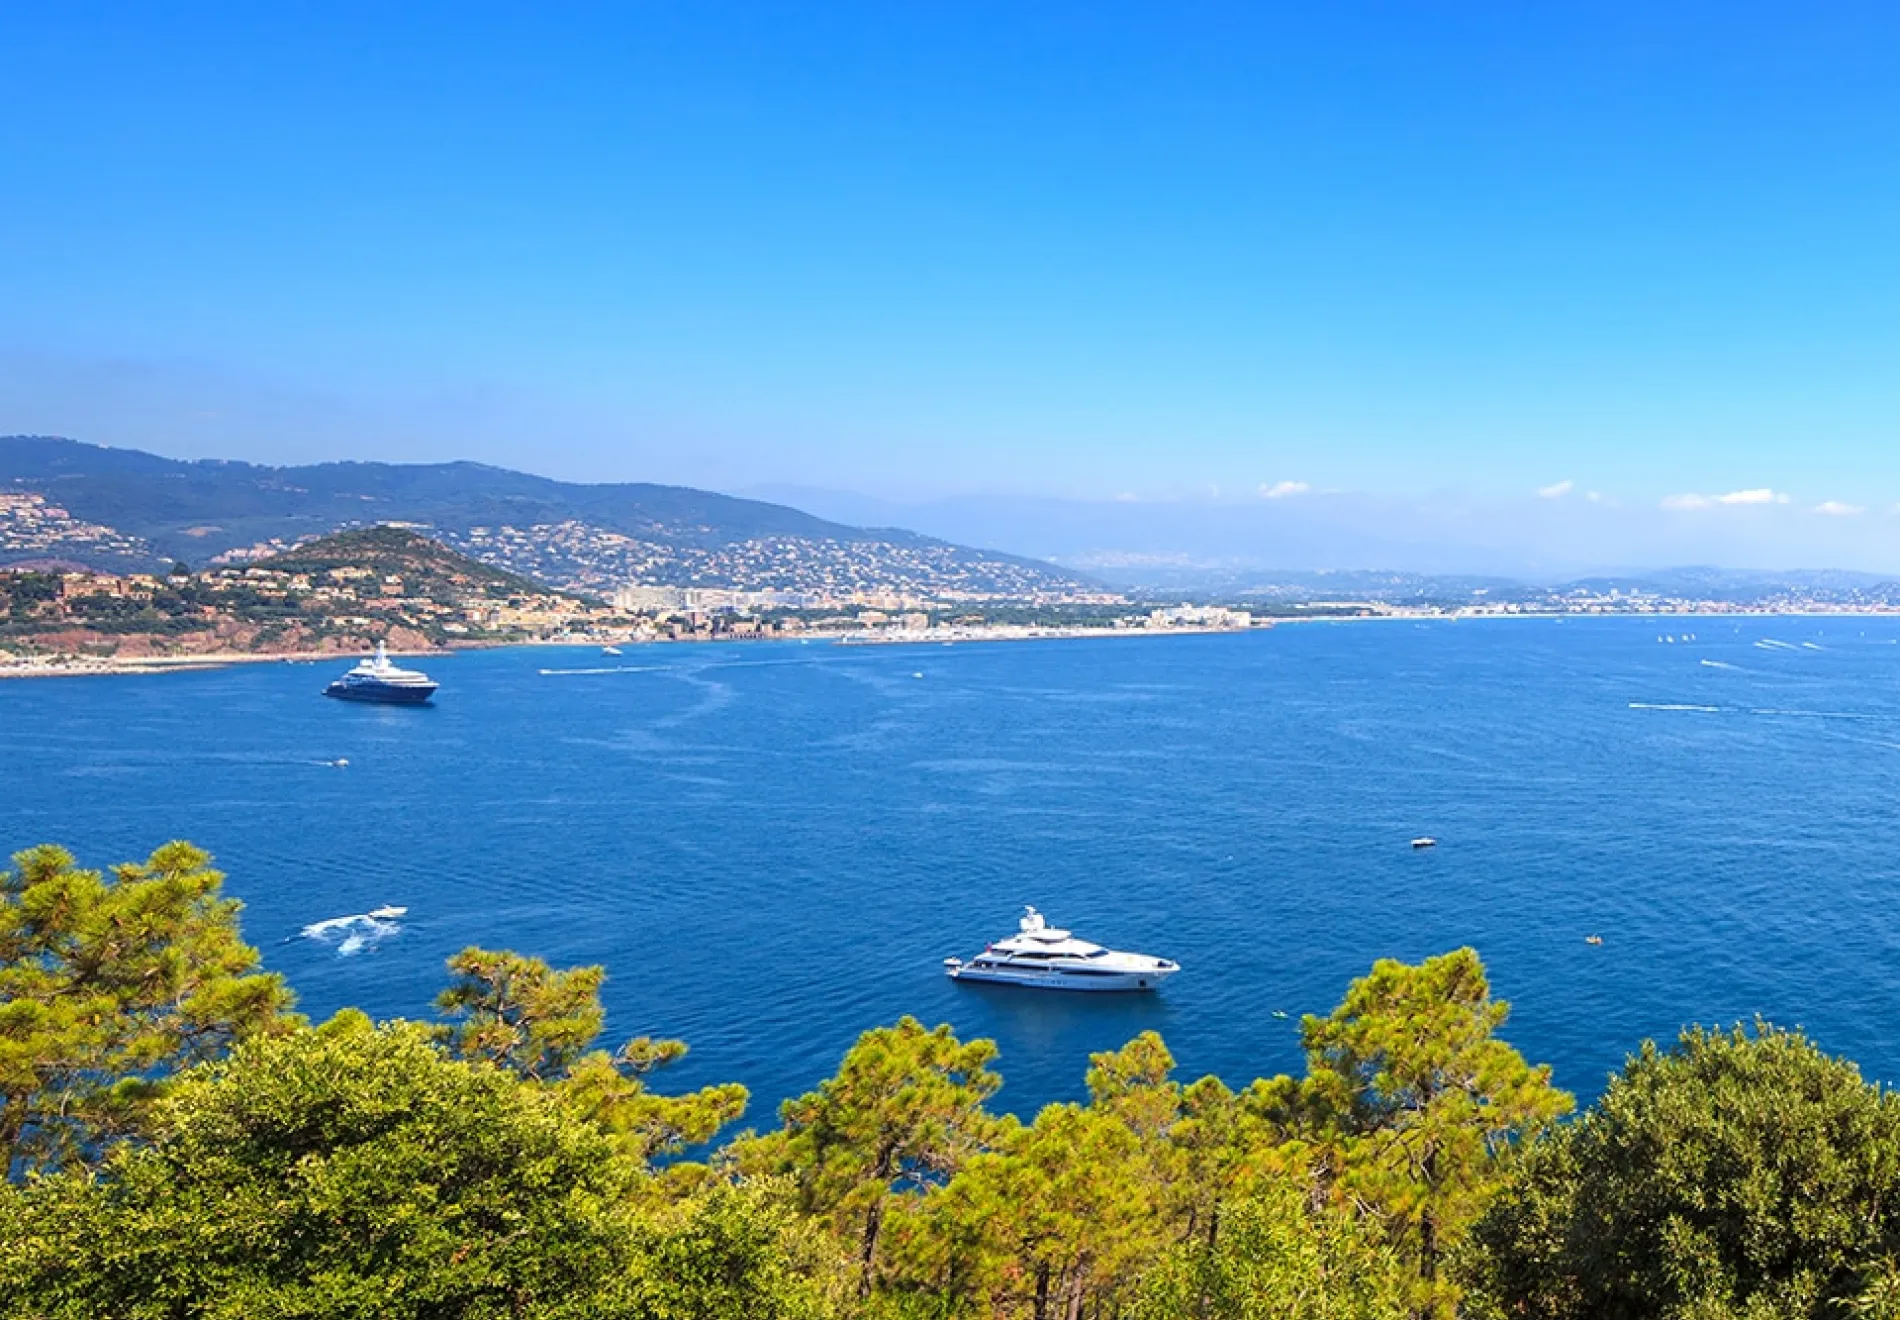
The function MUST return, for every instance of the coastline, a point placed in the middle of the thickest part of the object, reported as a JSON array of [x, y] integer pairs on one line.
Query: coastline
[[101, 666], [105, 666]]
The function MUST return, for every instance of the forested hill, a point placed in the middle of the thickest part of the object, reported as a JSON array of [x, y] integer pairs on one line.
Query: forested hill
[[107, 507], [426, 567]]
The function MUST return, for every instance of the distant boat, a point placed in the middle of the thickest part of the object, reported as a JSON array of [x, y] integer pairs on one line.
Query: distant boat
[[375, 679], [610, 650], [388, 912], [1425, 841]]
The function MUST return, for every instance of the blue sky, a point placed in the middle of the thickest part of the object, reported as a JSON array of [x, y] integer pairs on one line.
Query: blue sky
[[919, 249]]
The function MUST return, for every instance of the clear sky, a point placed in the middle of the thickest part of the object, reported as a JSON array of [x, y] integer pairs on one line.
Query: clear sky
[[914, 249]]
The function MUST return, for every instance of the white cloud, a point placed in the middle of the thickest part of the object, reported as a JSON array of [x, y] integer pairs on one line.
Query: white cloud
[[1759, 495], [1836, 509], [1556, 491], [1279, 490]]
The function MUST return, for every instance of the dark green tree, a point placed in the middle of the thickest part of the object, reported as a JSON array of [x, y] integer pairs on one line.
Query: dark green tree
[[737, 1252], [109, 987], [903, 1113], [347, 1171], [1737, 1174], [518, 1013], [541, 1023], [1058, 1217], [1065, 1211], [1277, 1258], [1412, 1103]]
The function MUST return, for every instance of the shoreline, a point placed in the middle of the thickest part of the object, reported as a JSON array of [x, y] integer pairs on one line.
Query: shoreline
[[101, 666], [24, 667]]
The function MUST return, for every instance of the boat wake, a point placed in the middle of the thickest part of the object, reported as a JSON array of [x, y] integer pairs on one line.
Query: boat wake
[[605, 669], [1720, 664], [1769, 711], [359, 931]]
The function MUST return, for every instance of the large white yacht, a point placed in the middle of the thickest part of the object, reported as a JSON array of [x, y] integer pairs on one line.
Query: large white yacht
[[376, 679], [1047, 958]]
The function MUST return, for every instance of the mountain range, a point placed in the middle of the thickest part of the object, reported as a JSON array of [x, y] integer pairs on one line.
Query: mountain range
[[62, 501], [108, 508]]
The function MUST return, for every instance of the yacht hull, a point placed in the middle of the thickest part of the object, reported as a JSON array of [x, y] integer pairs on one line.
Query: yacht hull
[[1085, 982], [384, 696]]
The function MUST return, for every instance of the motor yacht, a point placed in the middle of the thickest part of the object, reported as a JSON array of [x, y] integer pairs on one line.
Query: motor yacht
[[375, 679], [1045, 957]]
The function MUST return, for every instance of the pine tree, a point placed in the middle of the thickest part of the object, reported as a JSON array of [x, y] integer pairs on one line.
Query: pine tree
[[108, 988]]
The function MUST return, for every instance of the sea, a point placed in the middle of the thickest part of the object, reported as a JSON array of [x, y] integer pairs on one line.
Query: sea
[[771, 847]]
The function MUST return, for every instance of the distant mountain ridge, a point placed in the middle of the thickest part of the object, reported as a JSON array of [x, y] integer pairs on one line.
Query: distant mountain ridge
[[585, 536]]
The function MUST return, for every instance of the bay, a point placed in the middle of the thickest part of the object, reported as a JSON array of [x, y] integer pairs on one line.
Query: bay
[[771, 847]]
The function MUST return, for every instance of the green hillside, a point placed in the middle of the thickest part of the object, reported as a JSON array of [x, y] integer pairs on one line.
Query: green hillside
[[427, 567]]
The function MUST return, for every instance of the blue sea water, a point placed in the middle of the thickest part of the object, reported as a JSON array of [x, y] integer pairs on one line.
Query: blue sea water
[[772, 847]]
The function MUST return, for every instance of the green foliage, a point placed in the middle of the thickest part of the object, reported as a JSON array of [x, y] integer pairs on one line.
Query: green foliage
[[344, 1171], [539, 1023], [1057, 1213], [1412, 1102], [903, 1113], [426, 566], [180, 1146], [1736, 1174], [1277, 1258], [737, 1253], [518, 1013], [109, 987]]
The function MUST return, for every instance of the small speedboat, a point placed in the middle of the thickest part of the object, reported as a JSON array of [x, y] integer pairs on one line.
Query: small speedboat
[[388, 912], [1425, 841], [610, 650], [1044, 957]]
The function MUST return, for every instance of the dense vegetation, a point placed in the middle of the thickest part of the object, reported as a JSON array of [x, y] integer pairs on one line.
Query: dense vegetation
[[181, 1144], [427, 567]]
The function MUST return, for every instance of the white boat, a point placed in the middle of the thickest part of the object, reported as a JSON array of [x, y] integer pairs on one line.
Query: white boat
[[1425, 841], [388, 912], [610, 650], [1044, 957]]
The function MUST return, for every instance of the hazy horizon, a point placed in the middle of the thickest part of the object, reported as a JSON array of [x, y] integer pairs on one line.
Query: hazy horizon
[[1212, 539]]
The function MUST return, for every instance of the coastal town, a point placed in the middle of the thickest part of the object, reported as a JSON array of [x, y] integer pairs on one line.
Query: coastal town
[[33, 526], [342, 593]]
